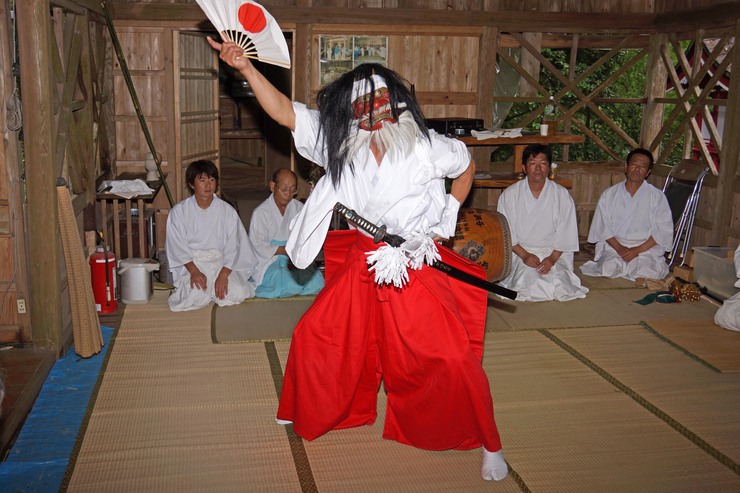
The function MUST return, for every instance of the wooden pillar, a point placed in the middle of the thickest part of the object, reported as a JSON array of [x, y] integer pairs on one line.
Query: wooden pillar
[[655, 86], [44, 251], [486, 78], [729, 158], [14, 276], [303, 66]]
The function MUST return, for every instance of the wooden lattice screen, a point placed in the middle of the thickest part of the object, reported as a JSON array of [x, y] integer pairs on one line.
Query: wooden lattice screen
[[682, 103]]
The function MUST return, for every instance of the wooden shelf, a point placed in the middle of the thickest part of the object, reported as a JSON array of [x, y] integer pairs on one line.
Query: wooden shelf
[[504, 180], [520, 143]]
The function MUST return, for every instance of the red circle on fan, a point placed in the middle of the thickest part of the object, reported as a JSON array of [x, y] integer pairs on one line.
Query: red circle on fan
[[252, 18]]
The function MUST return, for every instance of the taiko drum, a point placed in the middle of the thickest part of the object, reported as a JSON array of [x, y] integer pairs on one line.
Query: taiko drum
[[483, 236]]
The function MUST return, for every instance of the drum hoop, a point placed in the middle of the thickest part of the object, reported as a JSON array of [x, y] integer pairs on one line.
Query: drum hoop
[[506, 233]]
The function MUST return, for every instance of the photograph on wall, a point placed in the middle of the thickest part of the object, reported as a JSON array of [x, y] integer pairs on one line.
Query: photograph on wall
[[340, 54], [370, 49]]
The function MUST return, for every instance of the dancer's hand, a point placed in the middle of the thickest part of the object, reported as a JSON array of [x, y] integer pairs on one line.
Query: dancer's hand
[[230, 53]]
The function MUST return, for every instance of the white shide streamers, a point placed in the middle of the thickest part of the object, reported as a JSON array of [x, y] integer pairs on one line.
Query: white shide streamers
[[391, 264]]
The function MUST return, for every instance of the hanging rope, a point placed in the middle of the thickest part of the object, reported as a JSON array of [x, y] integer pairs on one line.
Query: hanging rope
[[13, 113], [135, 100]]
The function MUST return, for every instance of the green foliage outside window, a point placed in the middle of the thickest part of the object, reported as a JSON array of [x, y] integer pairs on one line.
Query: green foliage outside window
[[627, 116]]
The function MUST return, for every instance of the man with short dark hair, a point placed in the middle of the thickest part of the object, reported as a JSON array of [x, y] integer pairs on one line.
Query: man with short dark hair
[[269, 229], [632, 226], [544, 234], [209, 253]]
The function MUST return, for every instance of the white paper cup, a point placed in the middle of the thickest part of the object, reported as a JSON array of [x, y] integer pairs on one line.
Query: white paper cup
[[544, 128]]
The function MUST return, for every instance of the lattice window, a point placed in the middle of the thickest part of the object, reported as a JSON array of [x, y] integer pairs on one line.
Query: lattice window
[[600, 93]]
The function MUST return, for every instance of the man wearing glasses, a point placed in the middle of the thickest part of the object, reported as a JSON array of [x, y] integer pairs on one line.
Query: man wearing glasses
[[269, 228]]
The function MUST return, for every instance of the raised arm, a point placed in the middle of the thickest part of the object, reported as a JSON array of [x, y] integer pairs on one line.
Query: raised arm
[[275, 103]]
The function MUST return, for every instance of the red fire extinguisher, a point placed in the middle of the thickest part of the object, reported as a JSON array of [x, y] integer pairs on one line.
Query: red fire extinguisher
[[103, 275]]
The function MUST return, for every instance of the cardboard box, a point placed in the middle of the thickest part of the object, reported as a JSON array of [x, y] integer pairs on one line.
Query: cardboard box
[[684, 272]]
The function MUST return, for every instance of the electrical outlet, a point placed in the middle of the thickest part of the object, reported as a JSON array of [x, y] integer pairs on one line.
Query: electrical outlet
[[21, 306]]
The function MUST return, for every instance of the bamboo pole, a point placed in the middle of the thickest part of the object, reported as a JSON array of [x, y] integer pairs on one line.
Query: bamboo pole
[[135, 100]]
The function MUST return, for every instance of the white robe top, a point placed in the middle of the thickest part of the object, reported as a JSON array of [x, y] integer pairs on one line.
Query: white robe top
[[218, 227], [544, 223], [406, 194], [268, 226], [631, 220], [541, 225]]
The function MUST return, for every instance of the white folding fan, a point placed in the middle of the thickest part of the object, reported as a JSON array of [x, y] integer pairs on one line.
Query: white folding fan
[[249, 25]]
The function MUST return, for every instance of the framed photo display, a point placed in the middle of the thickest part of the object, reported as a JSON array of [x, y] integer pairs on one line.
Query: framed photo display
[[340, 54]]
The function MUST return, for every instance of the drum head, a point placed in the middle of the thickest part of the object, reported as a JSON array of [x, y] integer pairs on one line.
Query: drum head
[[483, 237]]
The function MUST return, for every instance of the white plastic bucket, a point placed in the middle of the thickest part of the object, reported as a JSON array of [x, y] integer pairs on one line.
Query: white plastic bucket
[[136, 279]]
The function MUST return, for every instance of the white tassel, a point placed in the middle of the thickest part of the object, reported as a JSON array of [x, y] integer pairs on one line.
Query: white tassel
[[390, 266], [420, 249]]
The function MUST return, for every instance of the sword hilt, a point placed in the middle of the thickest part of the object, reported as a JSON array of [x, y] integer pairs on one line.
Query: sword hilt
[[378, 232]]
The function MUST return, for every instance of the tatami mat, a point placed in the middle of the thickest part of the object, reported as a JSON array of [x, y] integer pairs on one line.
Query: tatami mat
[[581, 408], [600, 307], [565, 428], [705, 402], [717, 346], [175, 412], [258, 319]]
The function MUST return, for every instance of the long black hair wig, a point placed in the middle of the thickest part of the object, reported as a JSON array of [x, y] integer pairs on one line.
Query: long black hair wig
[[336, 114]]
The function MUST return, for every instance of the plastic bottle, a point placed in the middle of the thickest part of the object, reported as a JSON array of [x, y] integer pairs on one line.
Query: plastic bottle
[[550, 117]]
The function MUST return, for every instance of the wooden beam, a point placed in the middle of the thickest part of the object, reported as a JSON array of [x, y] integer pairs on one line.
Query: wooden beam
[[714, 16], [44, 250], [729, 158], [504, 20]]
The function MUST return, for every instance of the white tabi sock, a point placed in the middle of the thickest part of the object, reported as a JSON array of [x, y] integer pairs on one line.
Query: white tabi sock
[[494, 465], [283, 422]]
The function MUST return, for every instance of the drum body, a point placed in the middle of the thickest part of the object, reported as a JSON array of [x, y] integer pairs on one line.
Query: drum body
[[483, 236]]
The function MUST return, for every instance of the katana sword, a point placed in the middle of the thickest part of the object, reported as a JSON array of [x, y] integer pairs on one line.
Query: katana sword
[[379, 234]]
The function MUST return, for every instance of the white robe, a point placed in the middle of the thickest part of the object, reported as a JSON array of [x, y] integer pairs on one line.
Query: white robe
[[269, 229], [631, 220], [541, 225], [405, 193], [728, 315], [212, 238]]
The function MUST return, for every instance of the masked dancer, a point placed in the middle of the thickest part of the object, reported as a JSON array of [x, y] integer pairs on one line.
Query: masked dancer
[[383, 314]]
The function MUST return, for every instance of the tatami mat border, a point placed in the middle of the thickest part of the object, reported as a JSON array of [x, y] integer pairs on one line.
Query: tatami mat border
[[539, 329], [659, 413], [91, 405], [685, 351], [300, 457]]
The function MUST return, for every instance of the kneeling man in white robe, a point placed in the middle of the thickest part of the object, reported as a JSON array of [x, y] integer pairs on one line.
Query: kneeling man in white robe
[[269, 228], [210, 255], [728, 315], [632, 226], [544, 233]]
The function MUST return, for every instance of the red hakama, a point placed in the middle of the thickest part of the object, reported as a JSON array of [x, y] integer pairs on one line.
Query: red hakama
[[424, 341]]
